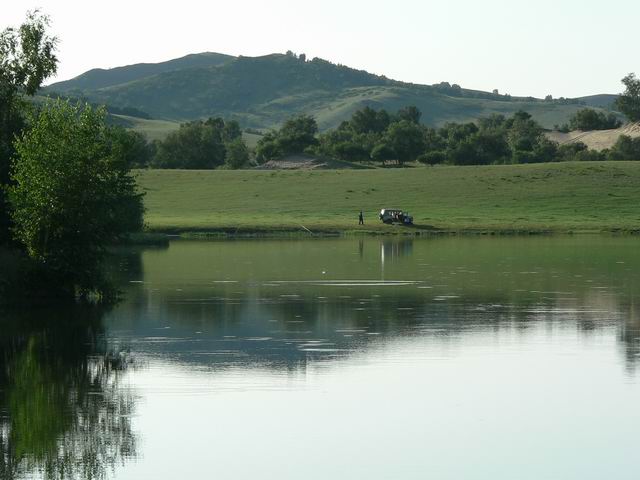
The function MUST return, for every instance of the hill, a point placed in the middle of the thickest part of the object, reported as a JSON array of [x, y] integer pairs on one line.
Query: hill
[[541, 197], [98, 78], [599, 101], [261, 92]]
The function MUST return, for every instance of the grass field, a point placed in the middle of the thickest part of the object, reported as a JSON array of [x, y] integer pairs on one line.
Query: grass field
[[547, 197]]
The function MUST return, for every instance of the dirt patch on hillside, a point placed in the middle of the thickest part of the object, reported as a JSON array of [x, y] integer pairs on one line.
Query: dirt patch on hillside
[[307, 162], [596, 139]]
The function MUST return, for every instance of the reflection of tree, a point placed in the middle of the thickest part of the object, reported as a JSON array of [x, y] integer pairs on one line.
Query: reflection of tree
[[393, 249], [230, 317], [629, 337], [62, 411]]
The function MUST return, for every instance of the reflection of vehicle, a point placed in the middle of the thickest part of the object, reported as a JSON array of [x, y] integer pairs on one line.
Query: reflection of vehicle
[[393, 215]]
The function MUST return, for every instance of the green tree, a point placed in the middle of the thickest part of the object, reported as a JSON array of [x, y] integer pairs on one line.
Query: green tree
[[297, 134], [457, 132], [406, 139], [481, 148], [237, 154], [589, 119], [494, 121], [569, 151], [433, 141], [629, 102], [27, 58], [368, 120], [433, 158], [545, 150], [132, 147], [383, 153], [73, 194], [625, 148], [411, 114], [195, 145], [267, 148], [523, 132], [231, 131]]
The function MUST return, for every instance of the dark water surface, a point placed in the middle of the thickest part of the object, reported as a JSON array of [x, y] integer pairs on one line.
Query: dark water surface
[[449, 358]]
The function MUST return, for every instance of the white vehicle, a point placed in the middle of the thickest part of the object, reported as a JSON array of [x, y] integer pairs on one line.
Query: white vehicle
[[394, 215]]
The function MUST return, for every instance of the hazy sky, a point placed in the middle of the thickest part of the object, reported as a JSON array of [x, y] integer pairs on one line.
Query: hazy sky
[[538, 47]]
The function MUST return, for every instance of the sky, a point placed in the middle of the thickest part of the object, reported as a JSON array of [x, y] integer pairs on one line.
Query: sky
[[564, 48]]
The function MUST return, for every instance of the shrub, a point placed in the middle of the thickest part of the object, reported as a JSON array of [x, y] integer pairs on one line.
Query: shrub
[[433, 158], [589, 119]]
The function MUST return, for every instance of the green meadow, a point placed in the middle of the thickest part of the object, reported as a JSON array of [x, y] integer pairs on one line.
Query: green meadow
[[561, 197]]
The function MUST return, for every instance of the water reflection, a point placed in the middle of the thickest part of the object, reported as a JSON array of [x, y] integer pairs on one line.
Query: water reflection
[[393, 249], [63, 410], [285, 304], [252, 345]]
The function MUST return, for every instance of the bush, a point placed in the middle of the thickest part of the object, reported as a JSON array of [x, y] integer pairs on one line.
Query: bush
[[383, 153], [589, 119], [569, 151], [237, 154], [625, 148], [590, 156], [433, 158]]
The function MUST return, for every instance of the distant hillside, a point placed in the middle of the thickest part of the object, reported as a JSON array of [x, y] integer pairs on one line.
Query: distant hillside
[[261, 92], [600, 101], [101, 78]]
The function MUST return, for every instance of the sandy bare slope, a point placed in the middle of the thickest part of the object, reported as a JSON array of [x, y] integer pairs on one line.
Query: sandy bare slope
[[596, 139]]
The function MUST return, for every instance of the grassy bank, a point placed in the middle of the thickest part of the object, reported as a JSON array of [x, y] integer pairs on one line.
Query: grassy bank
[[560, 197]]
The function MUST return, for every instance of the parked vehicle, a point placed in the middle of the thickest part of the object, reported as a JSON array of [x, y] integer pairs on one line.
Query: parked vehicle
[[394, 215]]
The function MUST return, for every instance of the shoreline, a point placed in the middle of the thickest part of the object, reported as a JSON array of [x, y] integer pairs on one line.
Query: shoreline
[[163, 236]]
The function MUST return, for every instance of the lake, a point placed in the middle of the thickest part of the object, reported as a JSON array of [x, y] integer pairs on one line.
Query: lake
[[377, 358]]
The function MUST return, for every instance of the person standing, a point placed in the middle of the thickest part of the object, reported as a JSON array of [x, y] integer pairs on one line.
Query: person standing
[[360, 218]]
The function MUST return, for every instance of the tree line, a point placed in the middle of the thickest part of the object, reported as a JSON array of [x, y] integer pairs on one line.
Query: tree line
[[199, 145], [379, 136], [376, 135]]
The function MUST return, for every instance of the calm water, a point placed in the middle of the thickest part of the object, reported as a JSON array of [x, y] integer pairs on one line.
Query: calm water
[[451, 358]]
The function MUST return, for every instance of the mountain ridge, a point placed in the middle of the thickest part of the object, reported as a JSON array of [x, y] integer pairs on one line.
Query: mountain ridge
[[263, 91]]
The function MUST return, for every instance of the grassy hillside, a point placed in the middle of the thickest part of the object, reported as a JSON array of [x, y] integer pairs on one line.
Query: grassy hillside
[[152, 129], [559, 197], [102, 78], [605, 101], [261, 92], [159, 129]]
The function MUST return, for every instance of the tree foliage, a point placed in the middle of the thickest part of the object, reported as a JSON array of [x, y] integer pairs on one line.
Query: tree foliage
[[237, 154], [629, 102], [295, 136], [625, 148], [495, 139], [73, 193], [27, 58], [132, 147], [406, 139], [589, 119], [195, 145]]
